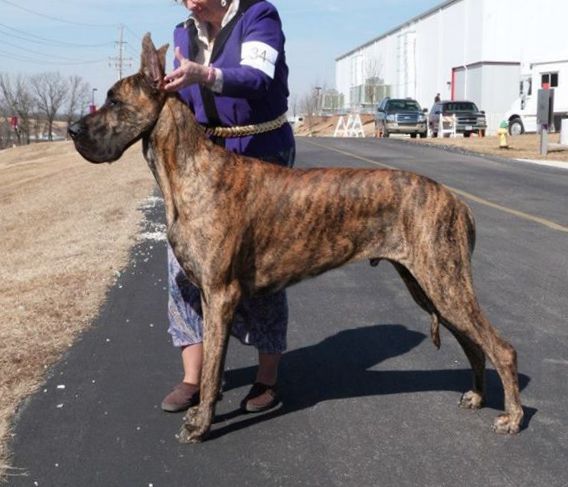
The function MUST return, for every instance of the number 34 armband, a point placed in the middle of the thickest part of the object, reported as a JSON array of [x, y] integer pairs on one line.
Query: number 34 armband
[[260, 56]]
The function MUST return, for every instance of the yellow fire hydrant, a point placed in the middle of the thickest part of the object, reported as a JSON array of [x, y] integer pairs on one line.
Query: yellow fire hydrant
[[502, 132]]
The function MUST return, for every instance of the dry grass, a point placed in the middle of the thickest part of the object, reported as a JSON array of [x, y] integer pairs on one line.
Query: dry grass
[[525, 146], [66, 227]]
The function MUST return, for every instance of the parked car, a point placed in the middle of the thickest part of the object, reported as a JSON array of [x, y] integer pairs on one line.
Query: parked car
[[468, 117], [400, 116]]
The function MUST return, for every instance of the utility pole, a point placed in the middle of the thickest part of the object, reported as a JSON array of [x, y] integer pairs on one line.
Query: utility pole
[[120, 62]]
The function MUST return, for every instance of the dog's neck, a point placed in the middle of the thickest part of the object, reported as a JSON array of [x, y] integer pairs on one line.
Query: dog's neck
[[177, 151]]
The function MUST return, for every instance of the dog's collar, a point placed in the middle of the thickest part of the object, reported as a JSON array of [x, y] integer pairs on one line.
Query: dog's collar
[[245, 130]]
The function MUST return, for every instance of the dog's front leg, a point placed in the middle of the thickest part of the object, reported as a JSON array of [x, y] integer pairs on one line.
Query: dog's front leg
[[218, 311]]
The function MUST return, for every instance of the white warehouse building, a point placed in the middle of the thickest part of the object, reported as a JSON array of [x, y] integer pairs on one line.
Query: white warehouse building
[[477, 50]]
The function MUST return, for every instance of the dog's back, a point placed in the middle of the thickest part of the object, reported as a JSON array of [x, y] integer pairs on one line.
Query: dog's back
[[300, 223]]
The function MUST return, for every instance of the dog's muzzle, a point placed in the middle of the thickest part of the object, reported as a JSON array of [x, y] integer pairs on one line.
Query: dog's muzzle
[[85, 145]]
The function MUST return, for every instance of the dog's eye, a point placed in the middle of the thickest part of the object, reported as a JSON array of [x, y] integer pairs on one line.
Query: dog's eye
[[111, 99]]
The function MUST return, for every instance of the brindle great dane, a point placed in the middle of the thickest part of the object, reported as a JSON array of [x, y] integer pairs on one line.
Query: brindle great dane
[[239, 227]]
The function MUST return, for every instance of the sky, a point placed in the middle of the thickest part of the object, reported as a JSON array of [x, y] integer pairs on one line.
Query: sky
[[79, 37]]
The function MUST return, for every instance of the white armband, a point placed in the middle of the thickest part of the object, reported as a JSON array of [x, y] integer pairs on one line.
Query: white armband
[[260, 56]]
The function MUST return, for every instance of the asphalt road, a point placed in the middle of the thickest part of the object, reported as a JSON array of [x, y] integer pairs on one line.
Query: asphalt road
[[368, 401]]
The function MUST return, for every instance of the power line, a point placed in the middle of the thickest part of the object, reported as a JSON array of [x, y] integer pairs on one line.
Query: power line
[[6, 43], [132, 33], [57, 19], [11, 55], [43, 40], [132, 50]]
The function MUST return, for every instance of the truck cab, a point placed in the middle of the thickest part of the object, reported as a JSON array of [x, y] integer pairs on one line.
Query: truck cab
[[522, 113]]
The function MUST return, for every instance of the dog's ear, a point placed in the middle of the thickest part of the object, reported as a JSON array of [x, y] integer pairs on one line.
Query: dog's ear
[[153, 62], [162, 56]]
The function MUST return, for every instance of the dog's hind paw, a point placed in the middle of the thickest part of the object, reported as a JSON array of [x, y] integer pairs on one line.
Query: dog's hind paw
[[471, 400], [506, 424]]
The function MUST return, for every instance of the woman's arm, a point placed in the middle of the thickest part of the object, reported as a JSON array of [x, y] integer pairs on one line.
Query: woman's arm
[[262, 49]]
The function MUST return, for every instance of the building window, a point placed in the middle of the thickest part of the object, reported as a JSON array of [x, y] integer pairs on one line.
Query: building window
[[550, 79], [529, 89]]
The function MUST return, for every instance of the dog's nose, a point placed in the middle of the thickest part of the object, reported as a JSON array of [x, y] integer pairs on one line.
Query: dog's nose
[[74, 130]]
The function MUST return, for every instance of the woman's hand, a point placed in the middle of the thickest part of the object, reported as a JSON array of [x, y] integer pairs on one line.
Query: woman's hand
[[186, 74]]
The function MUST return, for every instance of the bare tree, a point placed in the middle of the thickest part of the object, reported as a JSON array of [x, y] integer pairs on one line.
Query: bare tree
[[309, 104], [5, 127], [293, 104], [373, 71], [20, 102], [50, 90], [77, 99]]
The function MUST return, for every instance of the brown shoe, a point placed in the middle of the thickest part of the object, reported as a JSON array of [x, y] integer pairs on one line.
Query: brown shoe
[[261, 397], [182, 397]]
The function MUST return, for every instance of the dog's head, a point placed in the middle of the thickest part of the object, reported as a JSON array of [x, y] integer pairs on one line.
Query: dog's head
[[131, 109]]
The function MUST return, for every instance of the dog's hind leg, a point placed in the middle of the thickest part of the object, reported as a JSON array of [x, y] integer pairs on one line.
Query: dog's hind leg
[[218, 311], [478, 330], [449, 286], [472, 399]]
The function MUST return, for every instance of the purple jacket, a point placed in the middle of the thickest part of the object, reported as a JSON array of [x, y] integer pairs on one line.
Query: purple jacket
[[250, 94]]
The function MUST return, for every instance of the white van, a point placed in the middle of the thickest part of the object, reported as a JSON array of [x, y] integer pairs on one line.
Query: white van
[[522, 114]]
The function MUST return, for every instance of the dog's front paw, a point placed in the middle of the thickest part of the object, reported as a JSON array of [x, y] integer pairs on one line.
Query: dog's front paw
[[196, 424], [471, 400], [190, 434], [186, 436], [507, 424], [191, 415]]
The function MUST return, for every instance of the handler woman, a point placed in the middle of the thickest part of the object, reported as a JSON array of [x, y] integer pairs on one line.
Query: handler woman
[[230, 68]]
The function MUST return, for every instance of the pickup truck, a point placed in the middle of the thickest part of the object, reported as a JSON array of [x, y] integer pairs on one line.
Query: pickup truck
[[469, 118], [400, 116]]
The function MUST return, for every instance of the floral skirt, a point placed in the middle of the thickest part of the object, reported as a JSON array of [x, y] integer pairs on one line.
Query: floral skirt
[[260, 321]]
